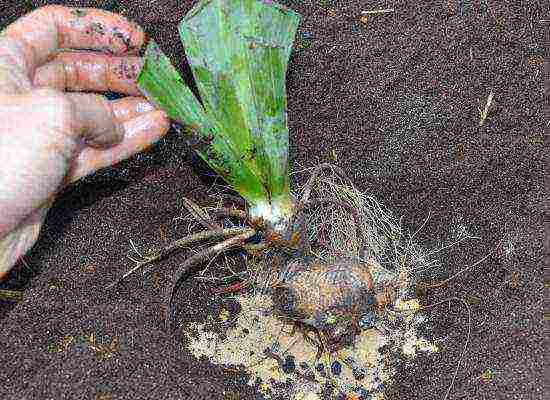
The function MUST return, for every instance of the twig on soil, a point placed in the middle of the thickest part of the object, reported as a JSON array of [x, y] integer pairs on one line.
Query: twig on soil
[[378, 11], [483, 114], [11, 295]]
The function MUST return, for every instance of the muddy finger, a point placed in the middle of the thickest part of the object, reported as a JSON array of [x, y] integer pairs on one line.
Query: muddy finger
[[130, 107], [54, 27], [85, 70], [140, 133]]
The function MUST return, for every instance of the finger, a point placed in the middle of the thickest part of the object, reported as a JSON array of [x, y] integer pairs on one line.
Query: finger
[[40, 33], [99, 132], [140, 132], [128, 108], [94, 120], [90, 71]]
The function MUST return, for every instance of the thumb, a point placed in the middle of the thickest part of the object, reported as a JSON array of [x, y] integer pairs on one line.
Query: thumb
[[40, 134], [94, 120]]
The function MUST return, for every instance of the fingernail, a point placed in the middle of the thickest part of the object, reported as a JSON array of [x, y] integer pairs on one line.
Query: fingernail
[[144, 106]]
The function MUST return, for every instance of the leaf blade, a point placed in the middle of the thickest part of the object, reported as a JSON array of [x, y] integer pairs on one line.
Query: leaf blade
[[238, 51], [163, 86]]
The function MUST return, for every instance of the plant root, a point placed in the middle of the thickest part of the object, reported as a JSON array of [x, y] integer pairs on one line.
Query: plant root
[[464, 349], [234, 241], [232, 213], [157, 255], [445, 281], [202, 217], [314, 175], [199, 214], [317, 202]]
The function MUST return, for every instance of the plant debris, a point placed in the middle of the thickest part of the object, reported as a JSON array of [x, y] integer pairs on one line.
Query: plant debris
[[483, 114], [11, 295], [366, 14], [378, 11]]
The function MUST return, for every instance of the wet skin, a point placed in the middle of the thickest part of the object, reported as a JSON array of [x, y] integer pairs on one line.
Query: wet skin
[[51, 135]]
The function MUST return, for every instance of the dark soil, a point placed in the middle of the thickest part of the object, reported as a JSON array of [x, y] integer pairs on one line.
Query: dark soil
[[396, 100]]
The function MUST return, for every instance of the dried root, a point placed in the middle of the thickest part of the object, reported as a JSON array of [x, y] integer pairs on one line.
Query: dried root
[[157, 255], [235, 241]]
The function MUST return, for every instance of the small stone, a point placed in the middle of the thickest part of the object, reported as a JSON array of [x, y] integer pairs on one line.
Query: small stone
[[362, 393], [367, 321], [289, 365], [90, 268], [358, 374], [488, 375], [231, 396], [336, 368], [55, 283], [275, 347], [331, 319], [370, 300], [264, 388], [224, 315], [321, 369], [233, 306]]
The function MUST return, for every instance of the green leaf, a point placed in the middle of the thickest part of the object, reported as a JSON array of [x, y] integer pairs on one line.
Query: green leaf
[[238, 51], [162, 85]]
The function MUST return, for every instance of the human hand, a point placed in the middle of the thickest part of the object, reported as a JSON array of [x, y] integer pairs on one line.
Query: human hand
[[49, 137]]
